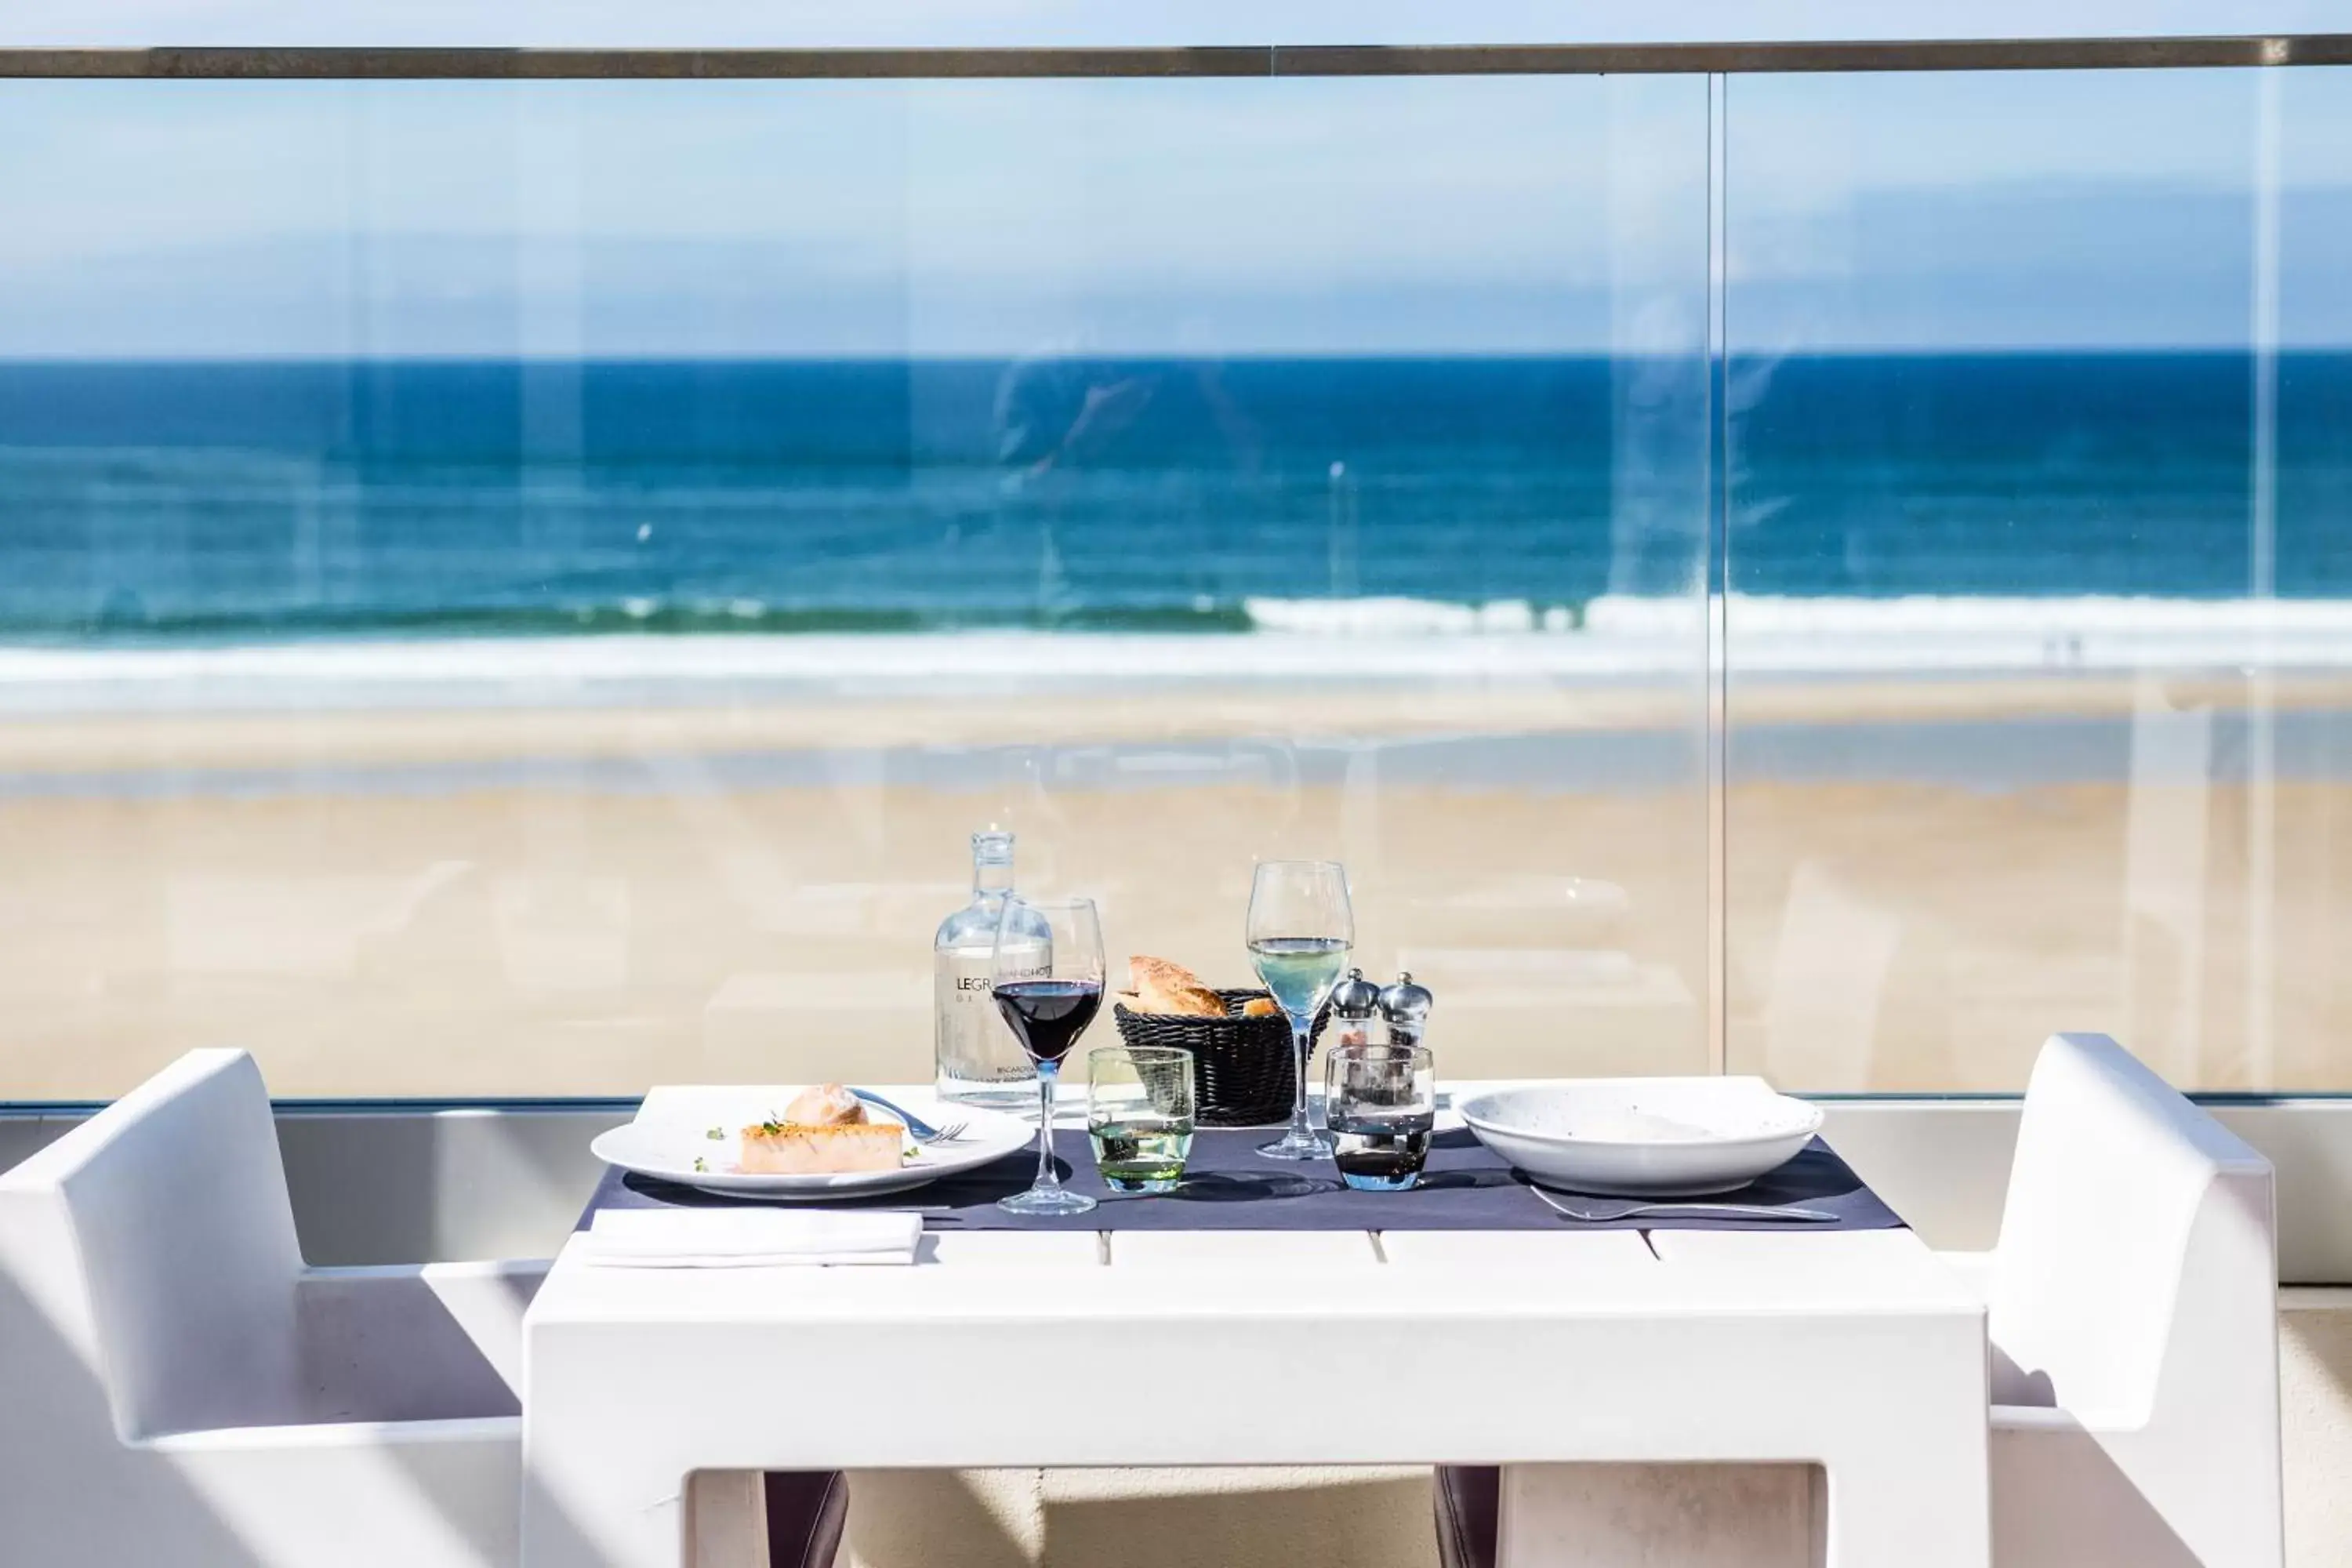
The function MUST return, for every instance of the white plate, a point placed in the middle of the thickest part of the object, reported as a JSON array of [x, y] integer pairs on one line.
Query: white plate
[[1643, 1137], [666, 1144]]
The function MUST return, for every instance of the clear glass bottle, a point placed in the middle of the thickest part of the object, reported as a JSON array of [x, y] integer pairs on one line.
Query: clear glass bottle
[[978, 1060]]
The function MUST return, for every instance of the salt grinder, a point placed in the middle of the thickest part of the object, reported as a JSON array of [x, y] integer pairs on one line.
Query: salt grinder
[[1406, 1007], [1355, 1002]]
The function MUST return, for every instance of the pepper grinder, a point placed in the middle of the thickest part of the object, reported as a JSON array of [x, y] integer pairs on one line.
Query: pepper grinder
[[1406, 1007], [1355, 1002]]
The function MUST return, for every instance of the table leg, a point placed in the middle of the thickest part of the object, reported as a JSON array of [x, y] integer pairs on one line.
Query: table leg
[[1910, 1503], [619, 1510]]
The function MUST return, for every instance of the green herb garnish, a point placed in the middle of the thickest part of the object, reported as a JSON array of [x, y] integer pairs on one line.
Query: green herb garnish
[[717, 1134], [701, 1165]]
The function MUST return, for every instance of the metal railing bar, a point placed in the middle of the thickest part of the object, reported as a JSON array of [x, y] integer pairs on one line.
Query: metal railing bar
[[423, 64], [1797, 58], [630, 64]]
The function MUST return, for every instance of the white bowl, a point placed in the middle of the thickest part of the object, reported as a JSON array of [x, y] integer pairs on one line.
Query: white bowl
[[1643, 1137]]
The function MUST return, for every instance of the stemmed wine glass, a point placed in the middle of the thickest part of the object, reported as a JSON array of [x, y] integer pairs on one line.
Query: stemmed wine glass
[[1300, 929], [1047, 975]]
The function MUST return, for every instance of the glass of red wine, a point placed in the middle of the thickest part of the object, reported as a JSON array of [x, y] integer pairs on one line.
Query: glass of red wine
[[1047, 975]]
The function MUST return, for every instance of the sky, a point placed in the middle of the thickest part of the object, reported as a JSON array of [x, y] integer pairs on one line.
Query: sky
[[1430, 215]]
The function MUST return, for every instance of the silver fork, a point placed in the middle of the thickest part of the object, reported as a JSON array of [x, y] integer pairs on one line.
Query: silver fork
[[920, 1131], [1598, 1211]]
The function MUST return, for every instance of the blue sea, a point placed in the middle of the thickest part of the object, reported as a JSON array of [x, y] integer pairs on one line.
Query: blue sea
[[271, 502]]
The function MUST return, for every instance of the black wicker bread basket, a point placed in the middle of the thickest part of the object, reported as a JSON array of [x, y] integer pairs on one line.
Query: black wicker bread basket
[[1242, 1071]]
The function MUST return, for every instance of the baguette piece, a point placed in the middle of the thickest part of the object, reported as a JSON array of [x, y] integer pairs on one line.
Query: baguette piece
[[801, 1149], [1166, 987], [1260, 1007]]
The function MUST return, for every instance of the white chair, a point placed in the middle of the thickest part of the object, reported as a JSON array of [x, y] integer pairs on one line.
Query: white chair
[[177, 1388], [2132, 1315]]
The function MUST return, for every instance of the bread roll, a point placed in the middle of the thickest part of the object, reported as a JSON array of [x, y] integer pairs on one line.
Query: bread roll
[[1146, 974], [1166, 987]]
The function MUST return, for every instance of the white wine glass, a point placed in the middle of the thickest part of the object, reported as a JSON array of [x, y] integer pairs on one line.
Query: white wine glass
[[1300, 929]]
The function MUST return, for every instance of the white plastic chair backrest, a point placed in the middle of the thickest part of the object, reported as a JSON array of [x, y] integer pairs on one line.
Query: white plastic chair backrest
[[158, 1239], [2137, 1252]]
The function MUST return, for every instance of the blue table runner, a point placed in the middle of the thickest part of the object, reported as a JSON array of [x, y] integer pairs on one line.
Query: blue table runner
[[1227, 1186]]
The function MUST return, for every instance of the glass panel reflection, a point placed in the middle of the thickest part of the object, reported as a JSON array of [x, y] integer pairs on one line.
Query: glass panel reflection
[[2042, 611], [525, 589]]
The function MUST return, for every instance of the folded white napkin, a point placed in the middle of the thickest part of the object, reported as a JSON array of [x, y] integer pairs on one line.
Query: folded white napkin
[[747, 1238]]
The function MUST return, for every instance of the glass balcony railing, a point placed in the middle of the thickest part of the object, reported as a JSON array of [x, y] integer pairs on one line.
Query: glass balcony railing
[[524, 587], [2039, 532]]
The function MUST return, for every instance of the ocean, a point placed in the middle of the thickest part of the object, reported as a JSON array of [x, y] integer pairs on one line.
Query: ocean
[[239, 503]]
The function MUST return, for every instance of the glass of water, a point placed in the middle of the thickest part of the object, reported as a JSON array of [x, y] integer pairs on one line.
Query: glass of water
[[1381, 1102], [1140, 1115]]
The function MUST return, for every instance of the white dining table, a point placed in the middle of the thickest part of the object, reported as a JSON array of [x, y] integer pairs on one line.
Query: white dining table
[[1858, 1351]]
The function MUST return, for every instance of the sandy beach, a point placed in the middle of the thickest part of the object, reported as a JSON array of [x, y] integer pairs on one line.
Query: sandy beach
[[1920, 876]]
